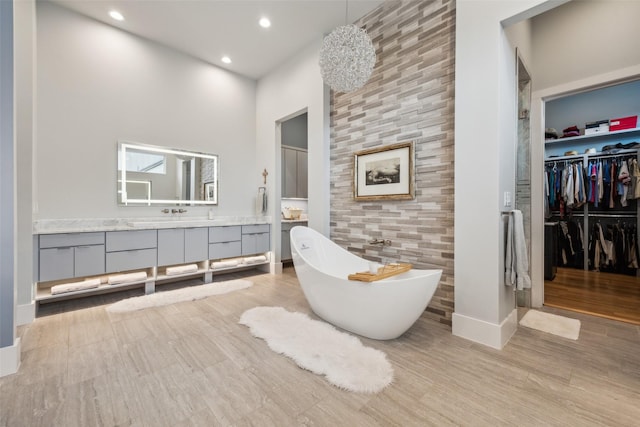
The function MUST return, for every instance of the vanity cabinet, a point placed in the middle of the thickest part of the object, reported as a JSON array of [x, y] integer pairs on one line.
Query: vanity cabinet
[[255, 239], [131, 250], [294, 173], [77, 255], [69, 255], [225, 242], [182, 245]]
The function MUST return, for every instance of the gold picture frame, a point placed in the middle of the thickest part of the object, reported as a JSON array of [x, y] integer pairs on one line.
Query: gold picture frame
[[384, 173]]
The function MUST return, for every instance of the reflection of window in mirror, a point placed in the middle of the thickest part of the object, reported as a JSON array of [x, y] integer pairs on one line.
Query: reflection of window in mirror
[[137, 161]]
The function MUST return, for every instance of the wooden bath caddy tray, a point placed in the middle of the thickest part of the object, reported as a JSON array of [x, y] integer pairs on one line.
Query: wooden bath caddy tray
[[383, 272]]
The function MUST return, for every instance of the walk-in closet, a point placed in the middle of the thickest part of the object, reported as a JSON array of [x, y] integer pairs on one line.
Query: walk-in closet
[[592, 193]]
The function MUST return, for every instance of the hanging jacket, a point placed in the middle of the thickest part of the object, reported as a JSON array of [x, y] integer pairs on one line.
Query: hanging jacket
[[624, 180], [634, 173]]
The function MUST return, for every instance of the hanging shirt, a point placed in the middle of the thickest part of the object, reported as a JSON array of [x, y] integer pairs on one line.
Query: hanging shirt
[[568, 193]]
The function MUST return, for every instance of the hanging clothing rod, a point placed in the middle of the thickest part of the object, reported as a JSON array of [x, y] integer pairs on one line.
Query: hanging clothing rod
[[578, 157], [604, 215]]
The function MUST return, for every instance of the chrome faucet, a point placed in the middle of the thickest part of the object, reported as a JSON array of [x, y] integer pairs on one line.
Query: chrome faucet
[[182, 210], [381, 242]]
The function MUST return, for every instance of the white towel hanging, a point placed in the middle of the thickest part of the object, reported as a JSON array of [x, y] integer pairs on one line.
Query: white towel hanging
[[516, 262]]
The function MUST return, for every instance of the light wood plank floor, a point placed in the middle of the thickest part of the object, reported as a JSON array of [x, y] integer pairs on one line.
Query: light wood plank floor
[[192, 364], [614, 296]]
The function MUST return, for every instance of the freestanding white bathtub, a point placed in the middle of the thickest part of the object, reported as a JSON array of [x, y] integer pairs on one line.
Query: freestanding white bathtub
[[381, 310]]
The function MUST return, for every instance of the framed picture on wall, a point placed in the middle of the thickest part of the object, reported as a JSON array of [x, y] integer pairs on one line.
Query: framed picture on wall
[[210, 193], [384, 173]]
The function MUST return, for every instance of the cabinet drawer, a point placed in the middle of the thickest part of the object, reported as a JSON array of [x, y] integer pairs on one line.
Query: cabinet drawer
[[225, 234], [70, 239], [258, 228], [225, 250], [89, 260], [56, 263], [130, 260], [128, 240]]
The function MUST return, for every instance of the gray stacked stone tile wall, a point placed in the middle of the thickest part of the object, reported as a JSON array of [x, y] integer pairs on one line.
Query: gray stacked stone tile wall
[[410, 97]]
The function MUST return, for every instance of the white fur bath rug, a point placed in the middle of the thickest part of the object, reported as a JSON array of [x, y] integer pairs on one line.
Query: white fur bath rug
[[321, 348], [552, 323], [190, 293]]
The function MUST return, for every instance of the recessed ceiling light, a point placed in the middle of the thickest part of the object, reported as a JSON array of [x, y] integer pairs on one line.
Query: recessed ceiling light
[[226, 60], [116, 15], [264, 22]]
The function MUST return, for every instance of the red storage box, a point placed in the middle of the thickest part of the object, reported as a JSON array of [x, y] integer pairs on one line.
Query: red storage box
[[623, 123]]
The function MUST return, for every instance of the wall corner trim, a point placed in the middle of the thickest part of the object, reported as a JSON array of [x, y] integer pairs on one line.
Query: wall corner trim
[[25, 313], [10, 359], [486, 333]]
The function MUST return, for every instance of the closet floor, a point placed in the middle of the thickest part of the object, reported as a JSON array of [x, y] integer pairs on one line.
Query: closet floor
[[614, 296]]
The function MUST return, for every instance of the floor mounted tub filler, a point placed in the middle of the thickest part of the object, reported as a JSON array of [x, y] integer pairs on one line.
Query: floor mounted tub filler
[[382, 310]]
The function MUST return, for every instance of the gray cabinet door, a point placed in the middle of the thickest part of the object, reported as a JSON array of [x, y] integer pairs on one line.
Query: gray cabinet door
[[301, 173], [89, 260], [289, 170], [196, 244], [171, 246], [56, 263], [285, 244], [255, 243]]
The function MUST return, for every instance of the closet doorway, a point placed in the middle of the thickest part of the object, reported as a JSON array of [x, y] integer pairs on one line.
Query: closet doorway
[[523, 164], [592, 202]]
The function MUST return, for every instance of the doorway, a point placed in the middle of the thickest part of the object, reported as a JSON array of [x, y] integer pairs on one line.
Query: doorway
[[594, 237], [293, 203], [523, 163]]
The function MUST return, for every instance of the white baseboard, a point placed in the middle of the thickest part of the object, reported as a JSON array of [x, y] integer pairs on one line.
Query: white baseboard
[[25, 313], [10, 359], [486, 333]]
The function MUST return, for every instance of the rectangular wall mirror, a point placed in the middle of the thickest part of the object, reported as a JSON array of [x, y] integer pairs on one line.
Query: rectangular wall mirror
[[150, 175]]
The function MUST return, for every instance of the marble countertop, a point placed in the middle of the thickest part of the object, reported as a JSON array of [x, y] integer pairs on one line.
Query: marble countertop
[[80, 225], [295, 220]]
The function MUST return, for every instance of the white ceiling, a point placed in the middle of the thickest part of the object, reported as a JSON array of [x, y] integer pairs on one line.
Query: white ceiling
[[210, 29]]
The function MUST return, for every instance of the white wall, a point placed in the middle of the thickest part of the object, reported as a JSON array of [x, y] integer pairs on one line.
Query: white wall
[[584, 38], [485, 131], [25, 66], [9, 344], [287, 91], [98, 84]]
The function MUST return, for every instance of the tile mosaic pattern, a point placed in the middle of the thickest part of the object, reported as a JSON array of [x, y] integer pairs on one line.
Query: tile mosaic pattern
[[410, 97]]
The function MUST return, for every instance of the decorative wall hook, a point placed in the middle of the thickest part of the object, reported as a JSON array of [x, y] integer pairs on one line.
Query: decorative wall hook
[[264, 175]]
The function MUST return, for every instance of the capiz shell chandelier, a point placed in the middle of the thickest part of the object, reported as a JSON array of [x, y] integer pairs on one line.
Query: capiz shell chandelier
[[347, 58]]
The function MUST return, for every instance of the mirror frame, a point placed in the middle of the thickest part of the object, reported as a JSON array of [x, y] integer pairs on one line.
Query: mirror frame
[[122, 176]]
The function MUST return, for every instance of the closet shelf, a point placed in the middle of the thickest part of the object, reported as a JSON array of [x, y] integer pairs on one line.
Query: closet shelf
[[593, 137], [593, 156]]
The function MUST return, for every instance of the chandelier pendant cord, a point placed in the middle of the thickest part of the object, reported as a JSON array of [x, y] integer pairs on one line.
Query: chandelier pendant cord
[[346, 13]]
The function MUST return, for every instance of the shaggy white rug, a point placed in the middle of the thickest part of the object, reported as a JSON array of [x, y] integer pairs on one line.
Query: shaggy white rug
[[321, 348], [190, 293], [552, 323]]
